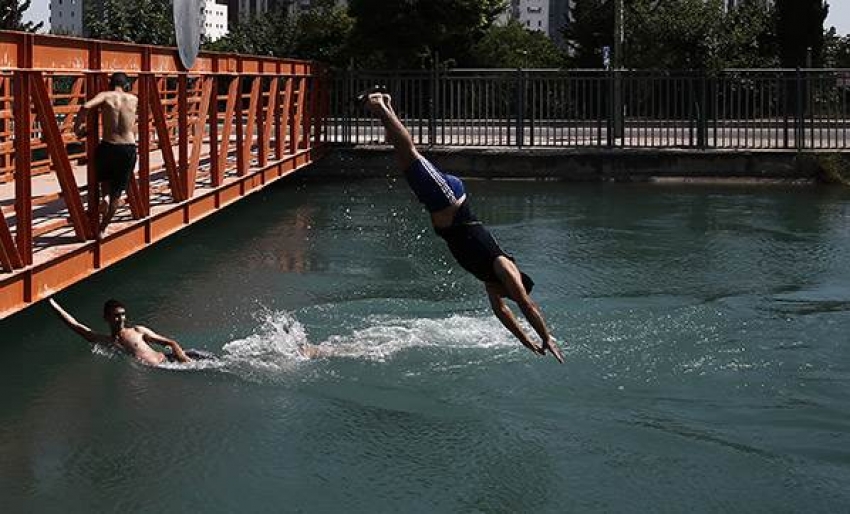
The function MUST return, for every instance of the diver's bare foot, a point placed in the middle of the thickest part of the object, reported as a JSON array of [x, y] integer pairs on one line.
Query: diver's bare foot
[[311, 351], [375, 102], [554, 350]]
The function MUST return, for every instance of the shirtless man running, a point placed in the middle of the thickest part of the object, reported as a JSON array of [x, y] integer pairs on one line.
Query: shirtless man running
[[132, 340], [115, 156], [471, 244]]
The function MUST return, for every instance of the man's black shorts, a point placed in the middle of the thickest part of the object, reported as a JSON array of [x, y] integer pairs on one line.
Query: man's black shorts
[[475, 248], [114, 164]]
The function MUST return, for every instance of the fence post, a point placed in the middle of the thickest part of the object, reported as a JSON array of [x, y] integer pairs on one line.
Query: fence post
[[610, 117], [702, 113], [800, 123], [433, 103], [349, 93], [520, 136]]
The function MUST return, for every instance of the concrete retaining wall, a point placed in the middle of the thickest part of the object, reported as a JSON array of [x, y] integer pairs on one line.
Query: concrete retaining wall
[[580, 165]]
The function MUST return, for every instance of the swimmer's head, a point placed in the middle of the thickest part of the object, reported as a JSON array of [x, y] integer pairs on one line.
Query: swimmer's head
[[119, 79], [114, 312]]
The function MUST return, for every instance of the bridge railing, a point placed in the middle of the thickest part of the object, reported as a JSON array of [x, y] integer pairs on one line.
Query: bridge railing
[[232, 119], [746, 109]]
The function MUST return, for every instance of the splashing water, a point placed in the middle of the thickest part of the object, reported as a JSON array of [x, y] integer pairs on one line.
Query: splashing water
[[274, 349]]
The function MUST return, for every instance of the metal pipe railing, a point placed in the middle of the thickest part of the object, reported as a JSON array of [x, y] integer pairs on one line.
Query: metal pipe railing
[[732, 109]]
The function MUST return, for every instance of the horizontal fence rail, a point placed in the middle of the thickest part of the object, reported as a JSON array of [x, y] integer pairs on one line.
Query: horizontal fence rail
[[733, 109], [205, 138]]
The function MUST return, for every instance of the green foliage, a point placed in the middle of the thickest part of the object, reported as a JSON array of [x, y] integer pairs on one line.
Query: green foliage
[[748, 37], [799, 27], [398, 33], [323, 33], [11, 16], [270, 34], [591, 28], [836, 50], [149, 23], [671, 34], [675, 34], [832, 168], [514, 46]]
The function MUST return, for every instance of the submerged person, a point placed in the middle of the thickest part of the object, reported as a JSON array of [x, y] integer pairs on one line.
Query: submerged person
[[115, 157], [469, 241], [134, 340]]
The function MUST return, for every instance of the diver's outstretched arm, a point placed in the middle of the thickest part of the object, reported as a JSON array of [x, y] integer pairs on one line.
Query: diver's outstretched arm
[[398, 136]]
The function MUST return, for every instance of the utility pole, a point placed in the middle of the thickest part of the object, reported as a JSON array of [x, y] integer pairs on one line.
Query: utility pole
[[619, 34]]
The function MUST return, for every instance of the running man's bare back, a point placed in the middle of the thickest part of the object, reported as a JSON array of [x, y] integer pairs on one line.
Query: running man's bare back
[[118, 111]]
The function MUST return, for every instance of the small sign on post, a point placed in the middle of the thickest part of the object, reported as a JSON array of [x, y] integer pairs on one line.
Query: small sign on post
[[606, 57]]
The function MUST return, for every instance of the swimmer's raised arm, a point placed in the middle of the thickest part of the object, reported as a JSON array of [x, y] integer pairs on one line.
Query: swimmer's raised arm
[[84, 331]]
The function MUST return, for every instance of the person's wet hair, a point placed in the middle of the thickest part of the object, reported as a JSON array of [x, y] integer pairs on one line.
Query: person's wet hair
[[119, 79], [110, 306]]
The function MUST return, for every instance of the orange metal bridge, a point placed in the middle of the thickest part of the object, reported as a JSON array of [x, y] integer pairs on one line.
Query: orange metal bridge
[[206, 138]]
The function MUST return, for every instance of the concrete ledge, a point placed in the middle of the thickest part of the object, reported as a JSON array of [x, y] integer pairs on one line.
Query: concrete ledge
[[578, 164]]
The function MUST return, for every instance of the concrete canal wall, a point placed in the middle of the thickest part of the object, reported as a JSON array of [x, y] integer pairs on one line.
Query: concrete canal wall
[[581, 165]]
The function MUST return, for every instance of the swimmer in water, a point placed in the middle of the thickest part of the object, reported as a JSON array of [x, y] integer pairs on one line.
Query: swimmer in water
[[133, 340], [469, 241]]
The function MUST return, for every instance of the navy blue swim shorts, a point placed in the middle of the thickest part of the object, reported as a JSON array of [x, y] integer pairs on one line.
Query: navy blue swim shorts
[[435, 189]]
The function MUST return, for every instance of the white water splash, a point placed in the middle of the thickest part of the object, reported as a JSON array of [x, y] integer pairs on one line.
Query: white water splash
[[273, 350]]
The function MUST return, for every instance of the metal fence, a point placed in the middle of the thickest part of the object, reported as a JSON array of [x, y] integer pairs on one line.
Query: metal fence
[[745, 109]]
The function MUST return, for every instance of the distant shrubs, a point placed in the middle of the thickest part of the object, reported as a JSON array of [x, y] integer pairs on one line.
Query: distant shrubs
[[832, 168]]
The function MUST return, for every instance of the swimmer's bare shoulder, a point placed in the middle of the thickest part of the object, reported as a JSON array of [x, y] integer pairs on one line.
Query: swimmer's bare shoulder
[[312, 351]]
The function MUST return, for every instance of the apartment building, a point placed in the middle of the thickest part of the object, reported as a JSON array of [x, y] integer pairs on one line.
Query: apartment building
[[213, 20], [532, 14], [66, 17]]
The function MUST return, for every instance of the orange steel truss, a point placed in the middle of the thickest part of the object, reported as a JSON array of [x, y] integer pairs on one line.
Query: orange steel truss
[[206, 138]]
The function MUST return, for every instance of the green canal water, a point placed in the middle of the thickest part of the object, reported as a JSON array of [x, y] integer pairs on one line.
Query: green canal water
[[705, 331]]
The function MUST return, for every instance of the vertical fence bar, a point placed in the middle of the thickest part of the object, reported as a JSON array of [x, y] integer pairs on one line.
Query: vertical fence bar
[[23, 170], [145, 134], [183, 133]]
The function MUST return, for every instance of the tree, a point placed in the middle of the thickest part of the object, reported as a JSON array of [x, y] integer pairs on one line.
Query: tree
[[836, 50], [748, 37], [591, 28], [397, 33], [323, 33], [11, 16], [149, 23], [271, 34], [799, 31], [514, 46], [674, 34]]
